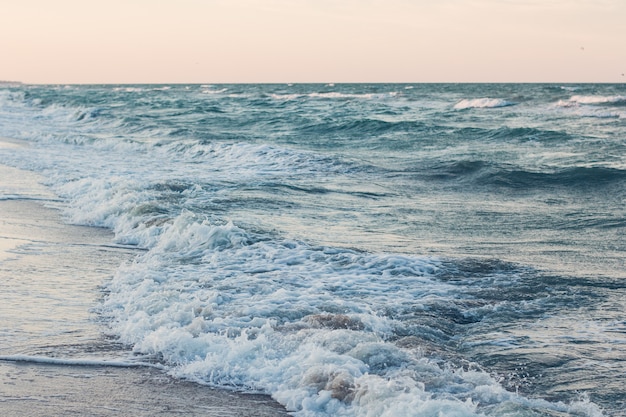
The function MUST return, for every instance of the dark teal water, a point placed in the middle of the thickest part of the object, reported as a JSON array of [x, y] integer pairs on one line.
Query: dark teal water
[[356, 249]]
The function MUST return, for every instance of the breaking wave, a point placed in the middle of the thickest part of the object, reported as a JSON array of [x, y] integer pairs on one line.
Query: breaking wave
[[482, 103]]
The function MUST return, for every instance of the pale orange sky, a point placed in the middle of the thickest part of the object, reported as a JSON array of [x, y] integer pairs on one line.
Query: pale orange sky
[[214, 41]]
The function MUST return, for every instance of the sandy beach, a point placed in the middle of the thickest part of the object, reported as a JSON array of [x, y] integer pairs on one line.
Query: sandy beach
[[50, 274]]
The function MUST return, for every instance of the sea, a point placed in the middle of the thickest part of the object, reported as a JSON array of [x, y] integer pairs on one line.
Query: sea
[[348, 249]]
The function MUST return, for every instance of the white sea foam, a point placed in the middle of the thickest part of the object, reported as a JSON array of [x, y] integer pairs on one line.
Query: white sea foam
[[299, 322], [281, 317], [286, 97], [482, 103], [598, 99], [214, 91], [130, 89], [593, 106], [335, 95], [9, 98]]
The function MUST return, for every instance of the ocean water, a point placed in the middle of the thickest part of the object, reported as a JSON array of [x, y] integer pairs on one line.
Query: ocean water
[[353, 250]]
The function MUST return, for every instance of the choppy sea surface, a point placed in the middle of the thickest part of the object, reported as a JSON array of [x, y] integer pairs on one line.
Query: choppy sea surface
[[354, 250]]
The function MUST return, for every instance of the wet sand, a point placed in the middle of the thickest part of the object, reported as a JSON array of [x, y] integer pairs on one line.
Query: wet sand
[[50, 274], [29, 389], [37, 390]]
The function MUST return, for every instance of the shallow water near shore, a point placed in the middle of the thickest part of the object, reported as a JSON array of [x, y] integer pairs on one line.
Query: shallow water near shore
[[355, 250], [51, 273]]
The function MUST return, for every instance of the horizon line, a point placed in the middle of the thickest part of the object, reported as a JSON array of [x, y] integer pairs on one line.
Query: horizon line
[[328, 83]]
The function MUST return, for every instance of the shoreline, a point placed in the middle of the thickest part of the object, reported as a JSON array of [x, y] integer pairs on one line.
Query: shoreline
[[38, 390], [51, 273]]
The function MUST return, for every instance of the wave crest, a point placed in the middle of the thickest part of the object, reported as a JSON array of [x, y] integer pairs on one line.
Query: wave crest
[[483, 103], [335, 95], [598, 100]]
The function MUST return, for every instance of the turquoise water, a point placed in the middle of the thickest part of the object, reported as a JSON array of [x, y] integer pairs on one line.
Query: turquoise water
[[358, 249]]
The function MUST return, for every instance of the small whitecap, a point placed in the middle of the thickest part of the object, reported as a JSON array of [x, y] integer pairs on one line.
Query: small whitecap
[[482, 103], [598, 100]]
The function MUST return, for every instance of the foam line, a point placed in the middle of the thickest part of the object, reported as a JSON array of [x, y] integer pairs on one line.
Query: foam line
[[14, 197], [76, 362]]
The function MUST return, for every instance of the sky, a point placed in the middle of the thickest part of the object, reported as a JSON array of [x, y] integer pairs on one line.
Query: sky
[[242, 41]]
